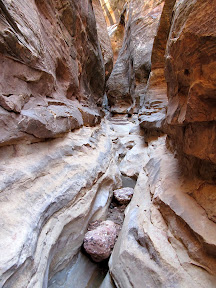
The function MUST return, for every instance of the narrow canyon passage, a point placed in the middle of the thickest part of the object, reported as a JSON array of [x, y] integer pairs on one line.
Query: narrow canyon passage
[[128, 151], [107, 144]]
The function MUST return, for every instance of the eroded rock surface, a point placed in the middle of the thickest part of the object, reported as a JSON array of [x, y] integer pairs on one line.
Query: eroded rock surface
[[132, 68], [103, 37], [190, 73], [100, 240], [166, 234], [50, 191], [154, 100], [49, 50]]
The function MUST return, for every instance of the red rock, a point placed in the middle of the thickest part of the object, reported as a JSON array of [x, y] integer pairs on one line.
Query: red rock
[[155, 98], [130, 74], [190, 73], [99, 242], [123, 195], [13, 102], [49, 50], [103, 37]]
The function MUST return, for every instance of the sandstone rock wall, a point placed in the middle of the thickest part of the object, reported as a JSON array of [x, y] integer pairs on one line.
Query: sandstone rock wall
[[190, 73], [49, 193], [132, 68], [51, 66], [154, 100], [112, 10], [167, 239], [115, 13], [169, 228], [51, 82], [104, 38]]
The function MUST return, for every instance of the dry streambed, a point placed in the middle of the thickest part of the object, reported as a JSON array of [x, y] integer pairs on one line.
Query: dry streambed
[[90, 266]]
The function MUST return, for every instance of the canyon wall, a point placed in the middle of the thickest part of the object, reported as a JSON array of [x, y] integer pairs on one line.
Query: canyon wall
[[112, 10], [104, 38], [154, 99], [53, 72], [130, 74], [191, 84], [169, 228], [51, 82], [61, 159]]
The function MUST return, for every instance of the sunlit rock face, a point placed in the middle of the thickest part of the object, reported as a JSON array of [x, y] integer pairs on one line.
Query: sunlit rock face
[[52, 66], [115, 13], [104, 38], [132, 68], [190, 73], [112, 10]]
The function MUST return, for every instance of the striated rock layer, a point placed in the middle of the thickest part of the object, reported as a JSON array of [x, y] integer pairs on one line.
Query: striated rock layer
[[112, 10], [154, 100], [169, 228], [49, 193], [104, 38], [190, 73], [132, 68], [167, 239], [51, 67]]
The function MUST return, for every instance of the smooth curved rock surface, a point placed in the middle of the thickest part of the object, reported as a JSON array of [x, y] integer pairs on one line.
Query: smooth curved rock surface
[[166, 233], [154, 100], [50, 191]]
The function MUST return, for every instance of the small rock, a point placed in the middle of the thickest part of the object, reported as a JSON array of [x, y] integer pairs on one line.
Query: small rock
[[100, 241], [123, 195]]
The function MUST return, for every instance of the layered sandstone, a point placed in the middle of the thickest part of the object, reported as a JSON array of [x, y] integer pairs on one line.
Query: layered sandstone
[[154, 100], [169, 228], [190, 73], [132, 68], [103, 37], [112, 10], [50, 191], [167, 234], [52, 67]]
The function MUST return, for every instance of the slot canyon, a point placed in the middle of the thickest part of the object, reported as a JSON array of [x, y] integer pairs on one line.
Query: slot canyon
[[108, 143]]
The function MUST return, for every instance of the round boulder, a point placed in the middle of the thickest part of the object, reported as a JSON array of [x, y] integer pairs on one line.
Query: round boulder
[[99, 241], [123, 195]]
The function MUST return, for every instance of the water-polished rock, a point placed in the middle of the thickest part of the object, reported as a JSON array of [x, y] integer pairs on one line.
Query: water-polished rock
[[123, 195], [100, 241], [166, 234], [50, 191]]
